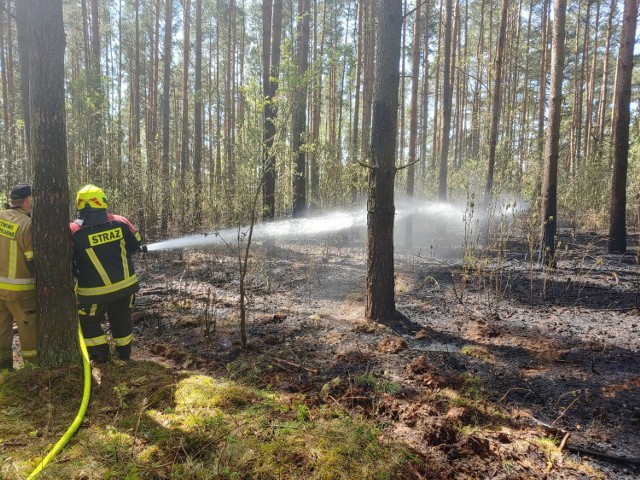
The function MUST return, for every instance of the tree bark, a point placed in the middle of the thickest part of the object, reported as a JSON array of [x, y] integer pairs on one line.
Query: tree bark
[[446, 103], [622, 118], [186, 50], [151, 124], [300, 112], [542, 81], [413, 118], [380, 302], [269, 185], [97, 157], [552, 137], [166, 117], [496, 100], [57, 317], [602, 104], [197, 120], [22, 19]]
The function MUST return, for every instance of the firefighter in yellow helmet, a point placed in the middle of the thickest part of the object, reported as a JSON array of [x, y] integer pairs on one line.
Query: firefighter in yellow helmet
[[102, 248], [17, 287]]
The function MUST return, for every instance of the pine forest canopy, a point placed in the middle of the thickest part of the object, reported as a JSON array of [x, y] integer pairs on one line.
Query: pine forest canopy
[[170, 116]]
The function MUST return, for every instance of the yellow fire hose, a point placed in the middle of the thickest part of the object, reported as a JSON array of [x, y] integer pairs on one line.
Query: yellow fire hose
[[78, 420]]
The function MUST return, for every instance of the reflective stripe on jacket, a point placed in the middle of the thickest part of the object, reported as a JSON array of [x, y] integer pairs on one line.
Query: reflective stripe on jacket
[[16, 255], [102, 259]]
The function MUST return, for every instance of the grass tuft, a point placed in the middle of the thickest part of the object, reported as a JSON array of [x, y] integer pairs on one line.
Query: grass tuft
[[147, 422]]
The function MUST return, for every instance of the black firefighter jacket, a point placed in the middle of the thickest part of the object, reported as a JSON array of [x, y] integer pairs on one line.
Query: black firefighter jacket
[[102, 260]]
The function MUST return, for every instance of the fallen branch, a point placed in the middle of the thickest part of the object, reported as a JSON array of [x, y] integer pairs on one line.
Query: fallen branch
[[291, 364], [341, 406], [584, 451], [603, 456]]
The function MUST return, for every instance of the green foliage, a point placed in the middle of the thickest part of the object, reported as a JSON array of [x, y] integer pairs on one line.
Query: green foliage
[[208, 429], [370, 382]]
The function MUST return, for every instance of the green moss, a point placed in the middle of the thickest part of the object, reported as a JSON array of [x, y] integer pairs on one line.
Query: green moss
[[145, 422]]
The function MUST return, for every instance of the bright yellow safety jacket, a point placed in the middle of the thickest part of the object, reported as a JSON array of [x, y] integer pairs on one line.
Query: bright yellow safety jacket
[[16, 255]]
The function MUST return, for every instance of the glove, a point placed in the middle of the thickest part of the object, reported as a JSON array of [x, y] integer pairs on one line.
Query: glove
[[143, 248]]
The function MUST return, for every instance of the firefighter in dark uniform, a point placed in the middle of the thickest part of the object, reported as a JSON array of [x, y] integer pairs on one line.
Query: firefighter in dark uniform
[[102, 248]]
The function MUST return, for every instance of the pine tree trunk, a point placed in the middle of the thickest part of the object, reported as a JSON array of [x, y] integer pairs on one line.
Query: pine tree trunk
[[588, 137], [151, 123], [446, 103], [368, 75], [602, 104], [380, 302], [622, 118], [98, 168], [314, 164], [57, 337], [435, 146], [269, 185], [166, 118], [542, 81], [197, 120], [300, 112], [25, 77], [496, 98], [186, 51], [413, 118], [552, 138]]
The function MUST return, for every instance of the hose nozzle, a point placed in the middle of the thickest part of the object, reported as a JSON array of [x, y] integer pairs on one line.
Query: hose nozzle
[[143, 248]]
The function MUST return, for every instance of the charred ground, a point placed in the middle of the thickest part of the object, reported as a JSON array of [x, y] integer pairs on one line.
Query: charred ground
[[490, 362]]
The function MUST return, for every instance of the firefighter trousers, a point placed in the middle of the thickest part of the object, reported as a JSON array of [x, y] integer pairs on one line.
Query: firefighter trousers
[[118, 313], [23, 312]]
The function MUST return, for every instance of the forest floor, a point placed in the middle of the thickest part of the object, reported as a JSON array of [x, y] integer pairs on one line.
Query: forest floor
[[489, 365]]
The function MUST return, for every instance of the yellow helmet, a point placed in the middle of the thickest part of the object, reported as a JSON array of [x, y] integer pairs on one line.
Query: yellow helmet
[[91, 197]]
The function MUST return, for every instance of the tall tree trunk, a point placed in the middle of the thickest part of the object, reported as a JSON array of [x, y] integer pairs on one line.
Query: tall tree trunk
[[269, 185], [403, 69], [446, 103], [99, 168], [413, 118], [218, 167], [300, 112], [186, 50], [588, 137], [622, 118], [11, 91], [577, 120], [6, 108], [424, 131], [22, 9], [524, 130], [166, 117], [151, 124], [134, 147], [602, 104], [368, 75], [435, 146], [57, 317], [496, 100], [197, 120], [380, 302], [476, 128], [314, 164], [542, 81], [552, 140], [229, 97], [358, 39]]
